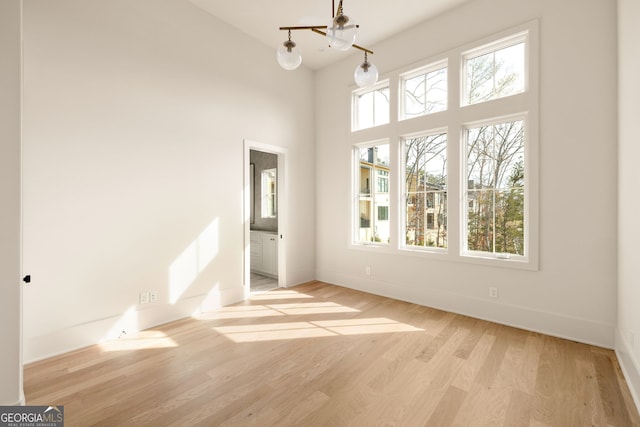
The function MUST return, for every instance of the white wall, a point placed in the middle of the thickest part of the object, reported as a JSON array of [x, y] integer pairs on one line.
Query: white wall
[[134, 120], [628, 332], [10, 292], [573, 294]]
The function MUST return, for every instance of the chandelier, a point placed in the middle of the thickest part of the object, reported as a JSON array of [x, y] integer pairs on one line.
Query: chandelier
[[341, 33]]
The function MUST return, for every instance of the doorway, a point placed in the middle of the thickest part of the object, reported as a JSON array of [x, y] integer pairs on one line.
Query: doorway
[[265, 213]]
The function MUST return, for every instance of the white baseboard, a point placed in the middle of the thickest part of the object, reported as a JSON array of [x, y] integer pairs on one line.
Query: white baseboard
[[78, 336], [630, 366], [562, 326]]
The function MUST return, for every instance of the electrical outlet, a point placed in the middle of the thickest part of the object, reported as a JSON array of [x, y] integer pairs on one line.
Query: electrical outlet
[[144, 298], [153, 296], [493, 292], [367, 270]]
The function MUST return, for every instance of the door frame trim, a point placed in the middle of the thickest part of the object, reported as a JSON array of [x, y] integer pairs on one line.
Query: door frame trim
[[283, 211]]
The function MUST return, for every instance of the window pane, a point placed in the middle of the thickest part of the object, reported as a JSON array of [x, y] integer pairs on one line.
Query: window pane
[[364, 109], [382, 154], [373, 199], [495, 188], [425, 93], [495, 74], [371, 108], [425, 210], [269, 187], [381, 107]]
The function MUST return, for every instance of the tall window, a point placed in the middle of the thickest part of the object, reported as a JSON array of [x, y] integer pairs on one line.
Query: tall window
[[373, 196], [464, 151], [425, 187], [371, 106], [495, 189]]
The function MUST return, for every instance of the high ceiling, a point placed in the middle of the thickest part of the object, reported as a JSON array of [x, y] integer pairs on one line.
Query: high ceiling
[[378, 20]]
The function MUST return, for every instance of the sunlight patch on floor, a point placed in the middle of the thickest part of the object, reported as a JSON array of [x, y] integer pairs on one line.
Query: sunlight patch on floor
[[239, 312], [314, 329], [267, 310], [272, 331], [378, 325], [278, 295], [312, 308]]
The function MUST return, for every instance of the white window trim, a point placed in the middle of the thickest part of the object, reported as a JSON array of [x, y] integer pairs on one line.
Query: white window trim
[[456, 118]]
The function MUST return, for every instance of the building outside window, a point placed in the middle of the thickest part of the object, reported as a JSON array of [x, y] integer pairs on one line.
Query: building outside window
[[373, 201]]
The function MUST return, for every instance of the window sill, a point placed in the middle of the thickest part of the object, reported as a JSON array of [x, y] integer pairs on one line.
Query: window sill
[[487, 260]]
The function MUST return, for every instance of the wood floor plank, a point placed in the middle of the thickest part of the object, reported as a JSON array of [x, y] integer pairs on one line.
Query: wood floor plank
[[428, 380], [615, 411], [556, 401], [483, 406], [493, 361], [476, 331], [320, 355], [475, 362], [519, 410], [447, 409]]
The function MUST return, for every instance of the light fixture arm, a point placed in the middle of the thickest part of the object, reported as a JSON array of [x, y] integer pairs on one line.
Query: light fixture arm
[[318, 30], [364, 49]]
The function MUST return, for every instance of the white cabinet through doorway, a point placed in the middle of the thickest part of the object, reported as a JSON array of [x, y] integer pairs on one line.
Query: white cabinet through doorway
[[264, 253]]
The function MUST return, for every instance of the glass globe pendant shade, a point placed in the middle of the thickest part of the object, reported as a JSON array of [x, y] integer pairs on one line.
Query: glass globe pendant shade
[[366, 74], [341, 34], [288, 56]]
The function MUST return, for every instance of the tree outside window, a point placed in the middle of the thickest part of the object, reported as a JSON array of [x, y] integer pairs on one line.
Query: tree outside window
[[424, 92], [425, 207], [495, 74], [496, 188]]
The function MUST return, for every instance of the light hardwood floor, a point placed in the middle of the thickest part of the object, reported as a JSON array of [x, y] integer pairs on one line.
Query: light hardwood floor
[[260, 283], [322, 355]]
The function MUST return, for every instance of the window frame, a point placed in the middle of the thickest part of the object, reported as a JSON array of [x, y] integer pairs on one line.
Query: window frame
[[268, 193], [403, 192], [429, 68], [456, 119], [464, 250], [356, 94], [355, 186], [493, 46]]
